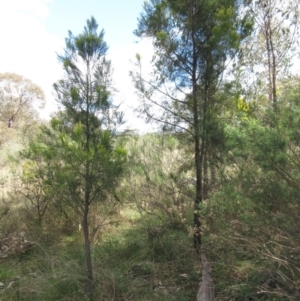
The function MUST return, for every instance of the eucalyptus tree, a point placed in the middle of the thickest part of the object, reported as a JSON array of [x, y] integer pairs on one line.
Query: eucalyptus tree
[[272, 46], [19, 97], [194, 41], [79, 143]]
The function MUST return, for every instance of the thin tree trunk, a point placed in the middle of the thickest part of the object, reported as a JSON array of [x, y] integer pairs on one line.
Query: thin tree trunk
[[213, 174], [205, 142], [274, 88], [267, 36], [271, 63], [198, 199], [198, 164], [205, 173], [87, 247], [85, 225], [198, 159]]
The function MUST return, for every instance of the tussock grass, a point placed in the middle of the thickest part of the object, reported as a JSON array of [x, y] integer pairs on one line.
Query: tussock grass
[[128, 265]]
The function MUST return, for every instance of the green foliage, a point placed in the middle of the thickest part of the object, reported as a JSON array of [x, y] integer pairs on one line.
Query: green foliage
[[156, 183], [76, 161], [136, 229], [208, 28], [254, 216], [77, 152], [193, 40], [18, 98]]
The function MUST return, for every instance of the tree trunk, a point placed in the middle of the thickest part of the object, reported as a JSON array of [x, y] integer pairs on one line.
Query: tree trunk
[[87, 247], [274, 88], [198, 199], [267, 36], [85, 225], [205, 174], [271, 63], [213, 173], [197, 150], [205, 120]]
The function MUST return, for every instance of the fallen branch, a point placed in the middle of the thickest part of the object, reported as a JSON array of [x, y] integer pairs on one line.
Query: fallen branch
[[206, 290]]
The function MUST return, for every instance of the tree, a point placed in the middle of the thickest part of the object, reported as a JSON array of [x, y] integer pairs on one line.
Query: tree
[[34, 187], [193, 41], [80, 142], [19, 97], [271, 47], [92, 164]]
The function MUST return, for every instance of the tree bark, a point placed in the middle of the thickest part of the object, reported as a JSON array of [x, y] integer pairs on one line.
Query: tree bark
[[267, 35], [205, 173], [87, 247], [274, 87], [197, 150], [271, 60], [85, 226]]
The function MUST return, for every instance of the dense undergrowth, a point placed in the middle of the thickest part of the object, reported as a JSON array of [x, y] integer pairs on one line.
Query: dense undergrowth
[[129, 263], [142, 249]]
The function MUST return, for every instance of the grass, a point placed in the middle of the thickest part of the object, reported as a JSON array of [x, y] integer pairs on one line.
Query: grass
[[128, 265], [134, 261], [131, 265]]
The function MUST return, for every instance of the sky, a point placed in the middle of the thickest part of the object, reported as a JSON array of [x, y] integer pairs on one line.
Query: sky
[[33, 32]]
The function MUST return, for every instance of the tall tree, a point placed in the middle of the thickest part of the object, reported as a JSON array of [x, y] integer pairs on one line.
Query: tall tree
[[80, 141], [271, 47], [94, 166], [193, 40]]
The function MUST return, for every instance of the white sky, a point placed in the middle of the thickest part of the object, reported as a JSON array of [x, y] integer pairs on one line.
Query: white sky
[[32, 32]]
